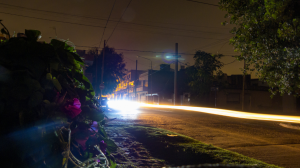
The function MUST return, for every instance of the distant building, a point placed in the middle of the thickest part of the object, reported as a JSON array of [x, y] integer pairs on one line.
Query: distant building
[[256, 99], [152, 86], [126, 87]]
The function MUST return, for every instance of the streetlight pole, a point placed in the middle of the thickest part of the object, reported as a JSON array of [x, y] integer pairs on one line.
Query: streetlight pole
[[102, 73], [175, 74], [136, 80]]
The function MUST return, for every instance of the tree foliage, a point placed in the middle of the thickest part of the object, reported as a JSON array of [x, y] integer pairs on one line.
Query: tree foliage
[[114, 70], [204, 73], [43, 92], [267, 34]]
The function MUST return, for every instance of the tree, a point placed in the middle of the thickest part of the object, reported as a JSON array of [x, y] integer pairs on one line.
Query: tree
[[204, 73], [267, 35], [114, 70]]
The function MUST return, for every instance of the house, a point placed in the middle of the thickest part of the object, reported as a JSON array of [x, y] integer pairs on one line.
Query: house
[[257, 98], [152, 86]]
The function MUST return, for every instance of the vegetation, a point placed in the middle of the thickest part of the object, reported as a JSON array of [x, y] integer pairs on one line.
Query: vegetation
[[43, 95], [114, 69], [178, 149], [204, 74], [267, 35]]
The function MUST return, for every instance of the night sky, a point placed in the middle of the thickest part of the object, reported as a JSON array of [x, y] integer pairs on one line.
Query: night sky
[[147, 25]]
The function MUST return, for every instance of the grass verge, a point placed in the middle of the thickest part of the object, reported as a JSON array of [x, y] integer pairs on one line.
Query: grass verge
[[177, 149]]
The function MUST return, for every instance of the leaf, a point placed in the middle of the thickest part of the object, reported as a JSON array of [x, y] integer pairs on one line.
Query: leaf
[[49, 76], [32, 35], [3, 31], [102, 131], [77, 58], [56, 84], [69, 48], [111, 146], [57, 44], [112, 164]]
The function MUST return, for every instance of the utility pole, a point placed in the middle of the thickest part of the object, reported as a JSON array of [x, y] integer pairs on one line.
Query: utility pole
[[243, 92], [136, 80], [150, 81], [102, 73], [96, 64], [175, 73]]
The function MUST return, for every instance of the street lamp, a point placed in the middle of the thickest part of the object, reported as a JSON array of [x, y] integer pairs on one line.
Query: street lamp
[[148, 74]]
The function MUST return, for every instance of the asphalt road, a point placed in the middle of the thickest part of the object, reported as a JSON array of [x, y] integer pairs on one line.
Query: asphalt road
[[263, 140]]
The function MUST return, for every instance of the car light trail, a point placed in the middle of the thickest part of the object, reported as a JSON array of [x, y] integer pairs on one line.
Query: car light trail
[[230, 113], [131, 107]]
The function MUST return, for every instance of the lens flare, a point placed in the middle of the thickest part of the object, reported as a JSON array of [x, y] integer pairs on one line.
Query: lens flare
[[123, 105]]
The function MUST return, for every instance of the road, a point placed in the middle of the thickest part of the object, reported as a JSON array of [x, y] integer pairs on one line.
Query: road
[[263, 140]]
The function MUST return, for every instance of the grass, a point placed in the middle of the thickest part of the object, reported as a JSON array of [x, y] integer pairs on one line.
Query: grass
[[177, 149]]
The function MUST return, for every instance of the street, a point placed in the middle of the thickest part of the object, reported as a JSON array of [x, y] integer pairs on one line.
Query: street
[[263, 140]]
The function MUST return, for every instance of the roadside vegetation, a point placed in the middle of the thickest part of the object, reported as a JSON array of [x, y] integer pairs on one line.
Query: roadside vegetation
[[49, 114], [178, 150]]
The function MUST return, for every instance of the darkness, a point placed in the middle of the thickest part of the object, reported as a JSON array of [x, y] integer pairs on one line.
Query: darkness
[[147, 27]]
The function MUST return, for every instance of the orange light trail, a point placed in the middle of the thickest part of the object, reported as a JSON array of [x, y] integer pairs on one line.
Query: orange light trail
[[230, 113]]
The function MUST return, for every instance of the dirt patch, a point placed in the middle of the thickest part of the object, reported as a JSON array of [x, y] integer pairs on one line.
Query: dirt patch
[[131, 153]]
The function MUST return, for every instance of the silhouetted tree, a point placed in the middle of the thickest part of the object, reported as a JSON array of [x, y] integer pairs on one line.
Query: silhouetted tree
[[114, 70], [203, 74]]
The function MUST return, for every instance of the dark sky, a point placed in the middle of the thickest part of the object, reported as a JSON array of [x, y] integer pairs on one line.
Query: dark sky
[[147, 25]]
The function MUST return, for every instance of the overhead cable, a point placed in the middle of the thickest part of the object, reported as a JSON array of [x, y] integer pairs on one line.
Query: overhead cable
[[52, 20], [119, 20], [140, 24], [203, 3], [107, 22]]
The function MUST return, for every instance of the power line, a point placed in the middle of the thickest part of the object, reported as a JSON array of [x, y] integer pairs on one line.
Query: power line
[[100, 26], [106, 23], [167, 34], [52, 20], [222, 46], [203, 3], [88, 17], [230, 62], [149, 51], [214, 43], [119, 20], [60, 13], [140, 24]]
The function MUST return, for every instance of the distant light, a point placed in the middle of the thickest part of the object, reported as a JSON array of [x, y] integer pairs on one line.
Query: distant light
[[169, 57], [124, 106]]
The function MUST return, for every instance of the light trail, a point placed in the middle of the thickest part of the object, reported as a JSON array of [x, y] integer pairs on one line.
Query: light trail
[[230, 113], [130, 107]]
